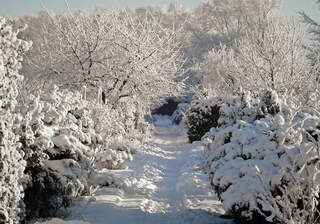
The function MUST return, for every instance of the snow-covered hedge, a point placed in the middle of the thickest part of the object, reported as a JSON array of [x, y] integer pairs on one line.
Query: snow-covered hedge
[[200, 117], [12, 164], [263, 160], [62, 150]]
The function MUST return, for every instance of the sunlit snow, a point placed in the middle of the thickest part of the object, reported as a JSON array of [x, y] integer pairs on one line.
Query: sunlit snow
[[161, 185]]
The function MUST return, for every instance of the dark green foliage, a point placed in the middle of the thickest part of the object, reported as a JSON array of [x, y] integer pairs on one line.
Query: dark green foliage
[[200, 118], [238, 218], [55, 180], [45, 195], [50, 192]]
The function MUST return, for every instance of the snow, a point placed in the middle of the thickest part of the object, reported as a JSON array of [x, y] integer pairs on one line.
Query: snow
[[163, 184], [65, 167], [59, 221], [249, 160]]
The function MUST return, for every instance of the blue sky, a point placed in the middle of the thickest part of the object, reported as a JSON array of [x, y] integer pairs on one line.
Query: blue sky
[[22, 7]]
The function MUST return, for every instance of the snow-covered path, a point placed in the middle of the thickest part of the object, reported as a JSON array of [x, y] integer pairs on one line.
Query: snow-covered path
[[161, 185]]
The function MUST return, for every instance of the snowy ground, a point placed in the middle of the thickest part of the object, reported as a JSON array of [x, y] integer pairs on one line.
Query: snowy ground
[[160, 186]]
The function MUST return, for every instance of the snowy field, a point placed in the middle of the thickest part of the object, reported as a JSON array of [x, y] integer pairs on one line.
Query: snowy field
[[161, 185]]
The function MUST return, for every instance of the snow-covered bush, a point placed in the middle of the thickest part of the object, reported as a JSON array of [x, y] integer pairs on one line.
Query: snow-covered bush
[[62, 150], [12, 164], [263, 160], [200, 117], [179, 113], [57, 135], [121, 125]]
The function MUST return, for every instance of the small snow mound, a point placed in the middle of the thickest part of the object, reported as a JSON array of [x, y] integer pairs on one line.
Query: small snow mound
[[60, 221]]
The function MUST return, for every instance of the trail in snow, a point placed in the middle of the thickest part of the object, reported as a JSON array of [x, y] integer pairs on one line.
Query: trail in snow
[[161, 185]]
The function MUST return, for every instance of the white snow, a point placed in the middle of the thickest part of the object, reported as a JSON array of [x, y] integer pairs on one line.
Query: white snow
[[163, 185], [59, 221]]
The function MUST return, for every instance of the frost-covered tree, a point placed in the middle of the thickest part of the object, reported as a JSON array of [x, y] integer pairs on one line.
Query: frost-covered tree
[[225, 21], [112, 50], [150, 10], [231, 16], [269, 55], [177, 15], [12, 164], [174, 17], [314, 32]]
